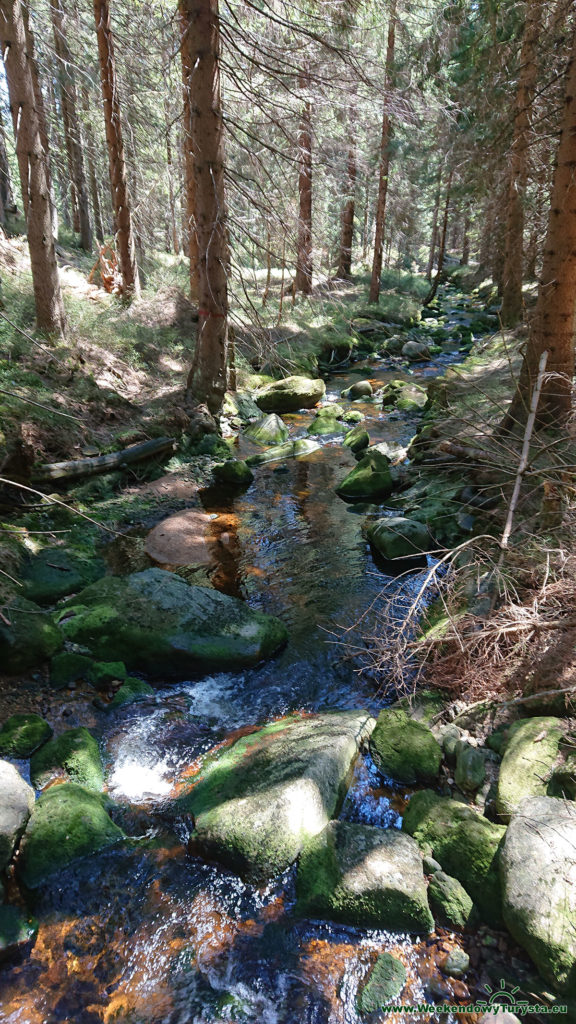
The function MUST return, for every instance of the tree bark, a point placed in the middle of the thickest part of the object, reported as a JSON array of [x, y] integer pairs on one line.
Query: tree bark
[[442, 247], [187, 55], [123, 226], [434, 235], [33, 162], [553, 326], [71, 123], [512, 278], [304, 261], [6, 194], [207, 378], [91, 162], [374, 294], [344, 268]]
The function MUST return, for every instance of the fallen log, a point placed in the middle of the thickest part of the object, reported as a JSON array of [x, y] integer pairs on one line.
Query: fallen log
[[104, 463]]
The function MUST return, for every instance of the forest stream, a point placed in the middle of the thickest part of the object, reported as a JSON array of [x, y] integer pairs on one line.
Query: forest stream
[[147, 933]]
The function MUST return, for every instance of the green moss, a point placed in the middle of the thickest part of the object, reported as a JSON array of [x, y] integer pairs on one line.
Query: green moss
[[234, 473], [384, 985], [56, 572], [68, 668], [131, 691], [268, 430], [357, 439], [67, 822], [17, 929], [398, 537], [74, 753], [451, 905], [528, 763], [403, 749], [28, 637], [371, 479], [466, 845], [22, 734]]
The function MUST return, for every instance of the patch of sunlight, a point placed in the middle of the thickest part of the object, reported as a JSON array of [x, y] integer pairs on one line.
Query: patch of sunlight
[[136, 781]]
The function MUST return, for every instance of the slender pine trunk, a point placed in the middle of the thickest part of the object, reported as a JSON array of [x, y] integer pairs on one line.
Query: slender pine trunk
[[304, 261], [442, 247], [384, 170], [188, 96], [344, 268]]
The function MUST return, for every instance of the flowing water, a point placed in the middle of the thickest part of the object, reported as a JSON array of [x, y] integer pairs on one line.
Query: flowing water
[[146, 933]]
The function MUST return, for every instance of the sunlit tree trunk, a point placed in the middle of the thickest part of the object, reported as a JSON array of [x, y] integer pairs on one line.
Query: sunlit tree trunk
[[71, 122], [207, 377], [120, 199], [91, 164], [344, 268], [384, 165], [33, 163], [304, 263], [442, 245], [554, 323], [512, 277], [187, 51]]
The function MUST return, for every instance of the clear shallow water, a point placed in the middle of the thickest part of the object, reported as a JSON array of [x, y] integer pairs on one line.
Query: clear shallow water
[[148, 934]]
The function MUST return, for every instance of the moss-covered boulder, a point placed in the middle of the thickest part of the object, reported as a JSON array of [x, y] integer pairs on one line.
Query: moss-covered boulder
[[450, 903], [366, 876], [239, 405], [326, 421], [411, 399], [74, 755], [56, 572], [68, 822], [398, 537], [415, 351], [357, 439], [538, 867], [370, 480], [424, 705], [16, 803], [28, 636], [233, 473], [22, 734], [528, 763], [288, 450], [404, 749], [392, 391], [131, 692], [17, 931], [353, 416], [383, 985], [256, 802], [69, 667], [470, 768], [155, 621], [465, 844], [359, 389], [291, 394], [269, 429]]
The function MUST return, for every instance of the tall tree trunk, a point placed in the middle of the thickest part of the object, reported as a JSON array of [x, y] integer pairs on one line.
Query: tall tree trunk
[[71, 122], [304, 265], [434, 235], [207, 378], [465, 258], [92, 176], [512, 277], [442, 247], [384, 164], [187, 53], [6, 194], [170, 169], [554, 323], [120, 200], [33, 163], [344, 268]]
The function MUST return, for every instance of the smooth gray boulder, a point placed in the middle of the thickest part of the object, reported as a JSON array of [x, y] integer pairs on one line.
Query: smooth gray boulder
[[270, 429], [528, 763], [291, 394], [538, 872], [256, 802], [16, 803], [365, 876]]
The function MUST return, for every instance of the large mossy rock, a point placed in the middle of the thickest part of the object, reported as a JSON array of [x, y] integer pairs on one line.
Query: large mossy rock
[[73, 755], [370, 480], [155, 621], [384, 984], [233, 473], [56, 572], [451, 905], [28, 637], [291, 394], [404, 749], [16, 803], [22, 734], [538, 867], [68, 822], [326, 421], [470, 767], [528, 763], [359, 389], [288, 450], [357, 439], [269, 429], [365, 876], [256, 802], [466, 845], [397, 537]]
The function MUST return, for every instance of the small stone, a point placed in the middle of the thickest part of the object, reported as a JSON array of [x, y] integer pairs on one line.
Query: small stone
[[360, 389], [470, 769], [385, 983], [456, 963], [450, 903]]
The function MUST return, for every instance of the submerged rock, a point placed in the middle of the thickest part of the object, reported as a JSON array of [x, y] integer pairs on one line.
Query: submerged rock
[[398, 537], [528, 763], [131, 692], [233, 473], [73, 755], [360, 389], [466, 845], [371, 479], [56, 572], [366, 876], [256, 802], [16, 803], [291, 394], [538, 866], [269, 429], [28, 638], [17, 931], [67, 822], [404, 749], [182, 539], [326, 421], [384, 984], [288, 450], [22, 734], [155, 621]]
